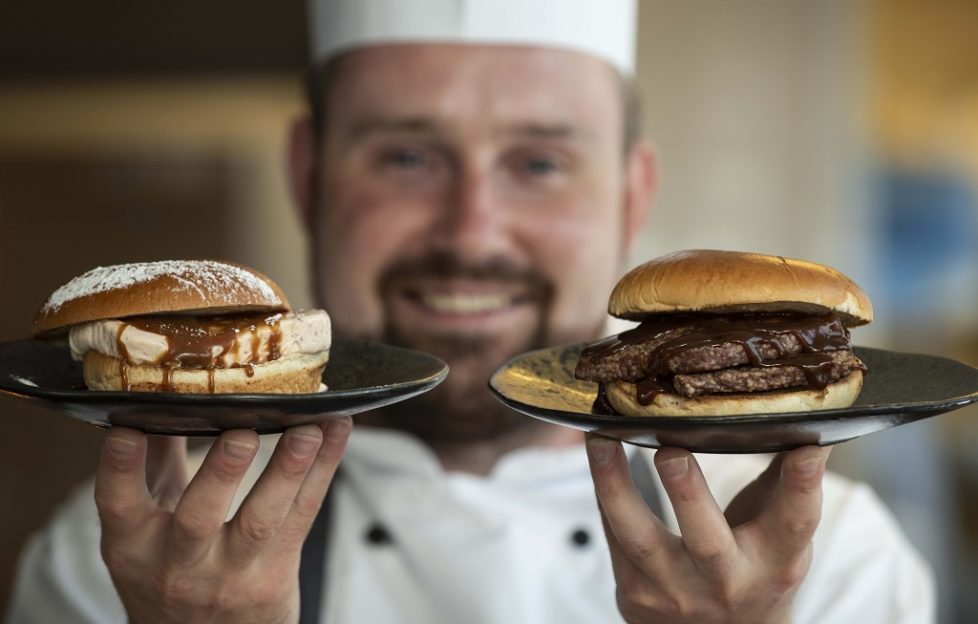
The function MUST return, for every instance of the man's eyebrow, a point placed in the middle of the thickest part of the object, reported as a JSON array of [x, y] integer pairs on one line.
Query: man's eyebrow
[[380, 125], [541, 130], [418, 125]]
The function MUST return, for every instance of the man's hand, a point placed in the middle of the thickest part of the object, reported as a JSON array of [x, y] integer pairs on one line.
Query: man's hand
[[742, 566], [172, 556]]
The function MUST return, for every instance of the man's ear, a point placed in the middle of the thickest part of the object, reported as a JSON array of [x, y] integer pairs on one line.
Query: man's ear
[[302, 168], [642, 184]]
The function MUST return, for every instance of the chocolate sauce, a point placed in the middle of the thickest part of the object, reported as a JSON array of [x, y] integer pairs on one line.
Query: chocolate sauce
[[679, 333], [202, 342], [601, 403]]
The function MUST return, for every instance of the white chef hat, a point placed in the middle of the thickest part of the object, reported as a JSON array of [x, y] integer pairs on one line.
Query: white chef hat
[[602, 28]]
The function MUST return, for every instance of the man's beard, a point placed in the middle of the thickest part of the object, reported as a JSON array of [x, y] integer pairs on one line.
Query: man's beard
[[462, 409]]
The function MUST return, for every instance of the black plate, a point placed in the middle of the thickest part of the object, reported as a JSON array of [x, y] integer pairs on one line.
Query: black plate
[[899, 388], [360, 376]]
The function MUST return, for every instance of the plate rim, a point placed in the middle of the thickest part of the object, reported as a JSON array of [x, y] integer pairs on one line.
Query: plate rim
[[734, 419], [28, 391]]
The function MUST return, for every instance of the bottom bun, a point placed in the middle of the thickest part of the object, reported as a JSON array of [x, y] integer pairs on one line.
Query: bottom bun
[[293, 374], [843, 393]]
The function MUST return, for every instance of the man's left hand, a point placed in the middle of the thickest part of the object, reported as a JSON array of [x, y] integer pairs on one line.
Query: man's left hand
[[744, 565]]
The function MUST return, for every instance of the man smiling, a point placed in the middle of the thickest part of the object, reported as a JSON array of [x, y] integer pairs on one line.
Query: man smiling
[[470, 177]]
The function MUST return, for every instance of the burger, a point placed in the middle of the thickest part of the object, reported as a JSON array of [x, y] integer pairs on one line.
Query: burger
[[724, 333], [189, 326]]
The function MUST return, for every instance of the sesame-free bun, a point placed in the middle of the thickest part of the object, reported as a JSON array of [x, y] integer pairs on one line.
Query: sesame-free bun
[[843, 393], [288, 375], [730, 282], [167, 287]]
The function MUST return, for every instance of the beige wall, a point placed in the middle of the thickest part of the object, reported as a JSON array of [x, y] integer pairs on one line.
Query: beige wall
[[755, 107]]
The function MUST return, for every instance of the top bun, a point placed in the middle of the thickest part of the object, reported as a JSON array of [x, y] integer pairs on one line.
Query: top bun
[[165, 287], [730, 282]]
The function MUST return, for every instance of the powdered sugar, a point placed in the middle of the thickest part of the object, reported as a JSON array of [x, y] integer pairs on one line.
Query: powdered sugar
[[210, 279]]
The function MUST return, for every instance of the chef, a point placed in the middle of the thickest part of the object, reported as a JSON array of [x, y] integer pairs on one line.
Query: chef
[[471, 176]]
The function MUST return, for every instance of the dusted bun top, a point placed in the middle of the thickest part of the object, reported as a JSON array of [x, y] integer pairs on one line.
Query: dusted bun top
[[166, 287], [730, 282]]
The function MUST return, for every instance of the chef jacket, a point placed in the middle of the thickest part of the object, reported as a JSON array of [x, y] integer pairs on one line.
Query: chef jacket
[[410, 543]]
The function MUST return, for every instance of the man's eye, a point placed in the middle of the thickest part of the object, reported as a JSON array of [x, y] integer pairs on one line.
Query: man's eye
[[405, 159], [541, 166]]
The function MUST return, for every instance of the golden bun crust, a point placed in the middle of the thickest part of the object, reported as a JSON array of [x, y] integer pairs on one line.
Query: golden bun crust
[[842, 393], [729, 282], [165, 287], [287, 375]]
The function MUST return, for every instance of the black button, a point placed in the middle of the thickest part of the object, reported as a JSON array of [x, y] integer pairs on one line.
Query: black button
[[580, 538], [378, 535]]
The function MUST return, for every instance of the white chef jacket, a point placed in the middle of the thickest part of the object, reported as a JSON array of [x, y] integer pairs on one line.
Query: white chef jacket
[[497, 549]]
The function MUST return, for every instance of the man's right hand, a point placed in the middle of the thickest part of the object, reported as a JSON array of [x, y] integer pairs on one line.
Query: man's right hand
[[169, 550]]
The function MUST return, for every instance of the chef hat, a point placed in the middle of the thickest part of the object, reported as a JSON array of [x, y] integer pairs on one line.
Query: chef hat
[[602, 28]]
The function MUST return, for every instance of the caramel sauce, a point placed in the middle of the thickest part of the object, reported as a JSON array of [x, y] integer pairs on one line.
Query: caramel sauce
[[817, 335], [123, 375], [201, 343]]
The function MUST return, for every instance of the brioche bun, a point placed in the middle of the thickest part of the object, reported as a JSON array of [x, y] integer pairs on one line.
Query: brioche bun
[[210, 287], [288, 375], [730, 282], [622, 396]]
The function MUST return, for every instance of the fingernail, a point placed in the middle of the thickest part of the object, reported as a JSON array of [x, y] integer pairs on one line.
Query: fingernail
[[601, 450], [123, 448], [673, 468], [338, 428], [239, 450], [301, 445], [808, 467]]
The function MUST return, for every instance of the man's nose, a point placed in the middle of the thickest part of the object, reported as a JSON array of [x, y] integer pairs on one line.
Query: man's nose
[[472, 219]]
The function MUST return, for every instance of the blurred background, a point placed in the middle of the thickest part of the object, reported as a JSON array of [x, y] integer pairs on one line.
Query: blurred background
[[840, 131]]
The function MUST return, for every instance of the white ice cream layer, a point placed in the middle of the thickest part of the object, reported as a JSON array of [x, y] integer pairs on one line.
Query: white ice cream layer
[[308, 331]]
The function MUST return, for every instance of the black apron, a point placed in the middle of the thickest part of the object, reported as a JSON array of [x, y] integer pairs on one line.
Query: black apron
[[312, 566]]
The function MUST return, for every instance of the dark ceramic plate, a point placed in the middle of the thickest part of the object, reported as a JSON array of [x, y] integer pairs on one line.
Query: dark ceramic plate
[[360, 376], [899, 388]]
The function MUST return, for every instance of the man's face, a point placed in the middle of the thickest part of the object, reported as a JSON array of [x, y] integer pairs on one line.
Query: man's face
[[470, 204]]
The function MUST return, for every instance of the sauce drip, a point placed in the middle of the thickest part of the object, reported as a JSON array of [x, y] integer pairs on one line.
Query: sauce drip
[[679, 333], [123, 375], [201, 343]]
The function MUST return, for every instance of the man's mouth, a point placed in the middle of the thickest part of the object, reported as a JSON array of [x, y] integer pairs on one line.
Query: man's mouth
[[462, 303], [441, 295]]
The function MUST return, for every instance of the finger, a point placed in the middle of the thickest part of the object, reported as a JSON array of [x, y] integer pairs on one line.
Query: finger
[[635, 528], [307, 502], [627, 574], [200, 514], [749, 502], [704, 528], [264, 510], [120, 487], [787, 525], [166, 469]]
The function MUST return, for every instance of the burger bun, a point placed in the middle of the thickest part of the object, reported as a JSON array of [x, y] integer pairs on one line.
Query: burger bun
[[622, 396]]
